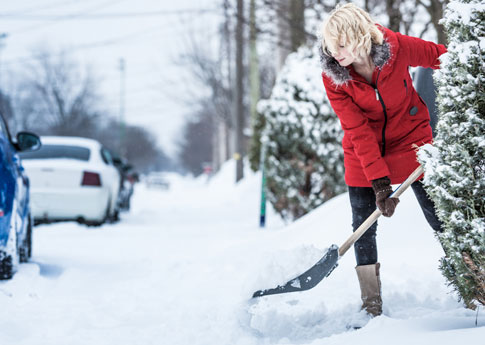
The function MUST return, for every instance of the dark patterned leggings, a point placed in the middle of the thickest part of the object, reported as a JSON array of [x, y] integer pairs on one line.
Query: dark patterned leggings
[[363, 202]]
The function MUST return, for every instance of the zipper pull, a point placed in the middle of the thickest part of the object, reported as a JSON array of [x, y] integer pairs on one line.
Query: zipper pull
[[377, 94]]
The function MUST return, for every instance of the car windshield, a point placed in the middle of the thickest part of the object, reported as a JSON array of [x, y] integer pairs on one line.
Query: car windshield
[[58, 152]]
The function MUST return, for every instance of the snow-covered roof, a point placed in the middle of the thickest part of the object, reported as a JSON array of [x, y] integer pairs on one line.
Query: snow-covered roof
[[74, 141]]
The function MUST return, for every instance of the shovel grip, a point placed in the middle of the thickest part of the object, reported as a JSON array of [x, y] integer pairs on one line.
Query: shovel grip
[[377, 213]]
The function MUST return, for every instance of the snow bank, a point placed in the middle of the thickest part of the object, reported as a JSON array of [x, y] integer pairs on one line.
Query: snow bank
[[181, 267]]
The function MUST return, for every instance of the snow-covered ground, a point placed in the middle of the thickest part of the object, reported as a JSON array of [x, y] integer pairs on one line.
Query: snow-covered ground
[[181, 267]]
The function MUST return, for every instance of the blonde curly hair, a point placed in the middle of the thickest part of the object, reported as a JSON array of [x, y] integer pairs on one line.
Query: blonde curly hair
[[352, 27]]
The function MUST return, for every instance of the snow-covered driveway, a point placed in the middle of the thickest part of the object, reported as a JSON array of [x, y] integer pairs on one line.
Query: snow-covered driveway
[[181, 266]]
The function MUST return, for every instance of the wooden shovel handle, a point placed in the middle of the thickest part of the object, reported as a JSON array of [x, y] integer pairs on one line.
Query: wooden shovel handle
[[377, 213]]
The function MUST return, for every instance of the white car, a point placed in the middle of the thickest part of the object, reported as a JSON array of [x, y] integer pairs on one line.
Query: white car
[[72, 179], [157, 180]]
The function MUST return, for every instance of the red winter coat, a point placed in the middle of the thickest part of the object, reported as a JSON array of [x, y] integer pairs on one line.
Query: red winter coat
[[383, 121]]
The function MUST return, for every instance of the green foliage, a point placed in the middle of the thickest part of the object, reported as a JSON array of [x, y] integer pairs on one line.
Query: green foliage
[[302, 136], [455, 169]]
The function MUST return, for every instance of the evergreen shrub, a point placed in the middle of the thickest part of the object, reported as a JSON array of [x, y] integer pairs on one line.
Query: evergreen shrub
[[455, 166], [302, 136]]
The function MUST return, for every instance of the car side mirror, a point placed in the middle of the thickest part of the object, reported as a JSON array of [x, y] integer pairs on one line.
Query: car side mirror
[[27, 141]]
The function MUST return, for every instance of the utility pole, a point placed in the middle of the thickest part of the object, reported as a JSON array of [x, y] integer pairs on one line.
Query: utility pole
[[240, 123], [229, 124], [253, 62], [122, 67], [255, 94]]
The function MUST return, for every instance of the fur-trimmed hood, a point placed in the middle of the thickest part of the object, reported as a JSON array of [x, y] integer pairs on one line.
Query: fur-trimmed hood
[[380, 54]]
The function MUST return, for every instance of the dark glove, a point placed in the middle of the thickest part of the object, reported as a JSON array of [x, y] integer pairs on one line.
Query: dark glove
[[382, 188]]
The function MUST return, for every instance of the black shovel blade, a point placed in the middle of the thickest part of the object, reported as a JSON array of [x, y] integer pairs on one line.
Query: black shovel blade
[[310, 278]]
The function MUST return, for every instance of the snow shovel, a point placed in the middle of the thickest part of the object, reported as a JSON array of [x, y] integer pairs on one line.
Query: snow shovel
[[329, 261]]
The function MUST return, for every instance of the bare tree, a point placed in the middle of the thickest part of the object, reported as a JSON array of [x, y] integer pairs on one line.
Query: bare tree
[[409, 10], [290, 19], [195, 149], [394, 14], [213, 74], [58, 97], [142, 151], [402, 15], [436, 10], [282, 22]]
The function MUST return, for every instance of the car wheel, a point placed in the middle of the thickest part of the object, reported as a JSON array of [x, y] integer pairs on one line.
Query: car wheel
[[115, 217], [105, 218], [112, 216], [9, 261], [6, 266], [25, 251]]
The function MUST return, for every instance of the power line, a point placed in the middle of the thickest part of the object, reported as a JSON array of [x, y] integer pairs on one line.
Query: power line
[[97, 44], [65, 17], [39, 8], [103, 15]]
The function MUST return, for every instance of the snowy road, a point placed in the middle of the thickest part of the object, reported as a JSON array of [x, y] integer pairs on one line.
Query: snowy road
[[180, 267]]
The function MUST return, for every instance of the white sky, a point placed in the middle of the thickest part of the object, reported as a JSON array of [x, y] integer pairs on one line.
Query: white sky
[[148, 34]]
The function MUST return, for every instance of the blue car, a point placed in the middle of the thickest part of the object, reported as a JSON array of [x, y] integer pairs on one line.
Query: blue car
[[15, 215]]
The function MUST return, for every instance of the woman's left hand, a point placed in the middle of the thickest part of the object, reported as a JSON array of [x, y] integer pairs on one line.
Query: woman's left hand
[[382, 189]]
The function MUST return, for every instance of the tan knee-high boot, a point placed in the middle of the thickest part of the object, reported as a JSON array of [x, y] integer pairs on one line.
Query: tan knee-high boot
[[370, 287]]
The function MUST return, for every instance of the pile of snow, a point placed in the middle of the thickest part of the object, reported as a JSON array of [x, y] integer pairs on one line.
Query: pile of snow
[[181, 267]]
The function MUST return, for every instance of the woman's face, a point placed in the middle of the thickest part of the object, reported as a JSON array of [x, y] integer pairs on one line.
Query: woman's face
[[343, 56]]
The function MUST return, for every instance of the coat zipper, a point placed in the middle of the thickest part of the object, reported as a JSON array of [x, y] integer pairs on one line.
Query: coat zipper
[[379, 98]]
